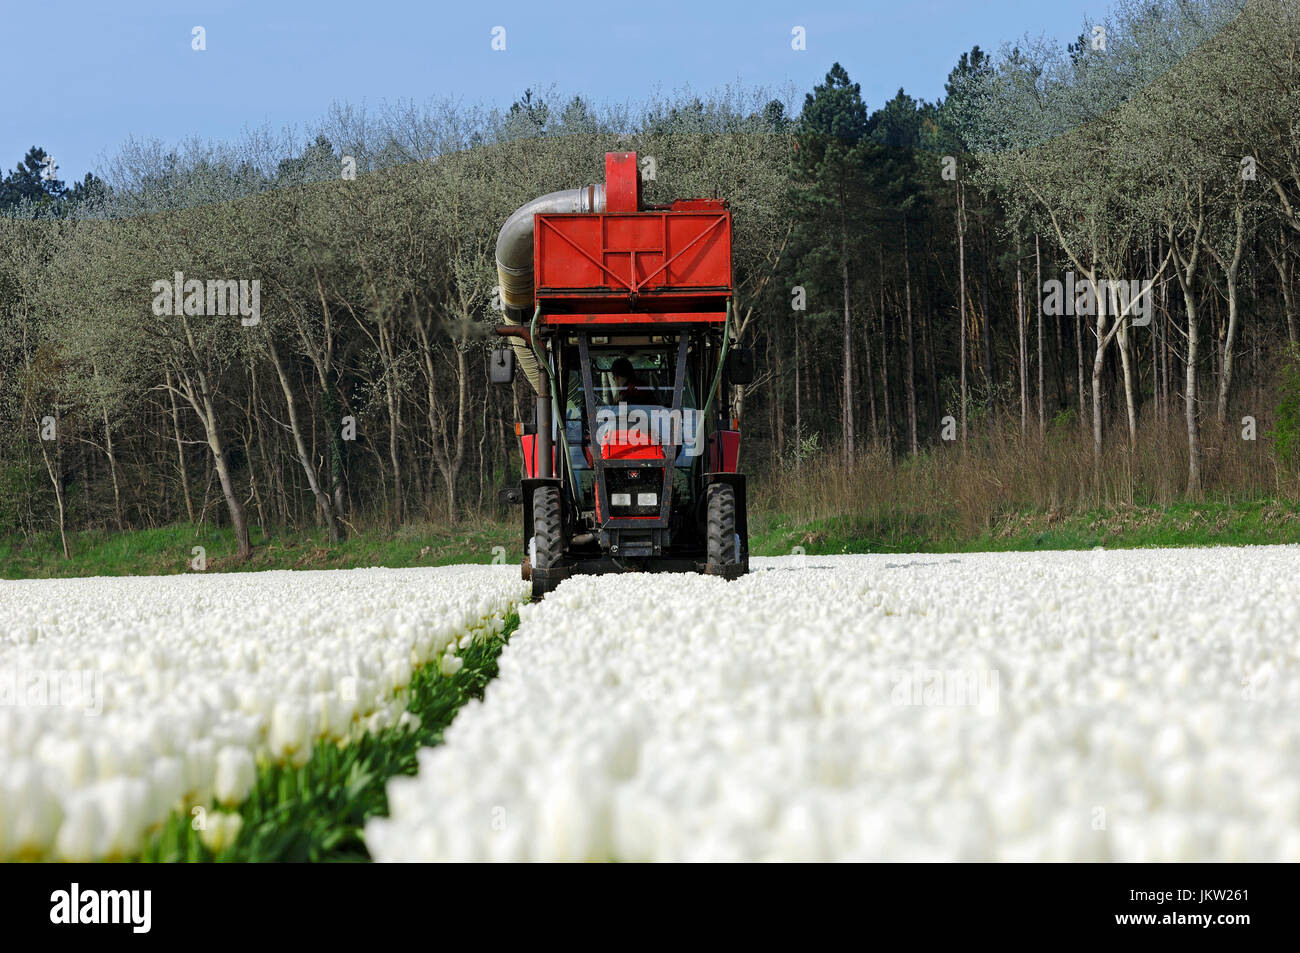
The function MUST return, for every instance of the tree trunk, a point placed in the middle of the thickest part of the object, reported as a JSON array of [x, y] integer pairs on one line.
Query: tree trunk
[[334, 427], [322, 358], [1166, 325], [112, 458], [452, 470], [323, 503], [884, 375], [1230, 268], [448, 449], [910, 390], [848, 359], [1229, 343], [201, 399], [871, 380], [1122, 339], [928, 348], [1024, 348], [1189, 402], [775, 405], [236, 509], [1156, 395], [884, 363], [1097, 365], [274, 507], [1285, 273], [961, 301], [1038, 296], [1187, 282], [247, 436], [112, 470], [798, 416], [986, 325], [55, 470], [1078, 347], [392, 401], [1289, 301], [482, 442], [1062, 389]]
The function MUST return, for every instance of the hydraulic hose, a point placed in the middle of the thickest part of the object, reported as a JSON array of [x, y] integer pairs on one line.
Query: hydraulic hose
[[722, 358], [555, 400]]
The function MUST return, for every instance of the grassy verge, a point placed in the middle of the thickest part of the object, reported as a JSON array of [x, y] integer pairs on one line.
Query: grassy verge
[[874, 530], [169, 549], [1122, 527], [317, 812]]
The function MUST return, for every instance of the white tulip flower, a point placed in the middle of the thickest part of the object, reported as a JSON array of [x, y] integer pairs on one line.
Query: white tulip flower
[[236, 773], [82, 832], [221, 830], [123, 803], [289, 729]]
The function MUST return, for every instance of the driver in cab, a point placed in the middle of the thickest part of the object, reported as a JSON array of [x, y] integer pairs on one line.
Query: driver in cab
[[630, 388]]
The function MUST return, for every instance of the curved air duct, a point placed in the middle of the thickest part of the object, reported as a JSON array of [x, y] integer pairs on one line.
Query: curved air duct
[[515, 261]]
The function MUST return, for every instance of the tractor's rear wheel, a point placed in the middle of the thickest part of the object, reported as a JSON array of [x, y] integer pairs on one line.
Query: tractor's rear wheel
[[548, 539], [722, 557]]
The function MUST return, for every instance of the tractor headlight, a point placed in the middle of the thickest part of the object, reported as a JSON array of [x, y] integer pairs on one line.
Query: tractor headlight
[[620, 499], [647, 499]]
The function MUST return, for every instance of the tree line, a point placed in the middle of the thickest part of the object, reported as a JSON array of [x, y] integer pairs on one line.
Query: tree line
[[140, 388], [892, 267]]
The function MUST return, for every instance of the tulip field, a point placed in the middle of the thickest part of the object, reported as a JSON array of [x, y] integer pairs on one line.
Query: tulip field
[[1106, 705], [131, 699], [1123, 705]]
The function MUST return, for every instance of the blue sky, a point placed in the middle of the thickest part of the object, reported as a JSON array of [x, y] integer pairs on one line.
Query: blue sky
[[79, 78]]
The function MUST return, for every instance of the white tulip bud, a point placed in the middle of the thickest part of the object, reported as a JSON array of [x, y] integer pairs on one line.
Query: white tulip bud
[[236, 774], [199, 764], [288, 729], [221, 831], [108, 758], [346, 711], [399, 673], [168, 783], [122, 803], [71, 757], [81, 832], [378, 721], [35, 811]]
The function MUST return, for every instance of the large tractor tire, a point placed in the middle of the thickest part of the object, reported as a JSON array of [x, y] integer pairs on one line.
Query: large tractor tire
[[548, 540], [722, 557]]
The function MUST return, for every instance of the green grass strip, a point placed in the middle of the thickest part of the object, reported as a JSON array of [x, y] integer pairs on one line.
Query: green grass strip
[[317, 812], [1208, 523], [168, 550]]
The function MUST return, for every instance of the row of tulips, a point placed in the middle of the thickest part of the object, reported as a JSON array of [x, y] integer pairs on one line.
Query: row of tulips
[[123, 700], [1132, 706]]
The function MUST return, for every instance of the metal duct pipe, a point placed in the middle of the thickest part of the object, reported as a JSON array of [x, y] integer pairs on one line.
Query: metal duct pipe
[[515, 261]]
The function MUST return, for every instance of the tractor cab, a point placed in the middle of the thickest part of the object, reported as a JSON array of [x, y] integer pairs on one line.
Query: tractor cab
[[634, 433], [633, 412]]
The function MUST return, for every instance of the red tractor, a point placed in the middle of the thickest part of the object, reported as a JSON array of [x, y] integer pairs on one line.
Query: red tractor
[[620, 315]]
